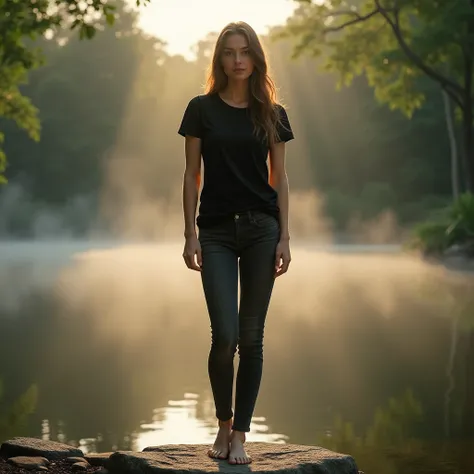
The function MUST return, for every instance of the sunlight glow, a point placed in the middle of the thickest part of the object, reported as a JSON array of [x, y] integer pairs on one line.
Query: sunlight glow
[[181, 24], [179, 423]]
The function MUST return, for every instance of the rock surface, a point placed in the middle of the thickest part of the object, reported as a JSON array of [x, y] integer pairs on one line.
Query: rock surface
[[80, 466], [37, 447], [98, 459], [27, 454], [75, 459], [267, 457], [55, 467], [36, 463]]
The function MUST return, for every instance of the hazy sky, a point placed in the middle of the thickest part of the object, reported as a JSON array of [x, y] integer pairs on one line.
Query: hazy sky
[[182, 23]]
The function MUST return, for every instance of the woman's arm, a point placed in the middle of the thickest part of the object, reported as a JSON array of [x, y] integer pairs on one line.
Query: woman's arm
[[191, 184], [279, 182]]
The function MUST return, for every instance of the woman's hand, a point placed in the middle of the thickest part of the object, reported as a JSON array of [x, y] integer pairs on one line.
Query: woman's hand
[[282, 257], [192, 253]]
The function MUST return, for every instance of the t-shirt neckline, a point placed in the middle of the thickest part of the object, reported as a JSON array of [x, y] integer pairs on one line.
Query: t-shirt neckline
[[230, 106]]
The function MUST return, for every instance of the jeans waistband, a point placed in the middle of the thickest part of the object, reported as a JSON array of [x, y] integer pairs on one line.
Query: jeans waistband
[[248, 214]]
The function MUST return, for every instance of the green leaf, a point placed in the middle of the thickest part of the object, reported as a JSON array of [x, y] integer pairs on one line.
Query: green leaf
[[110, 18], [359, 44], [87, 31]]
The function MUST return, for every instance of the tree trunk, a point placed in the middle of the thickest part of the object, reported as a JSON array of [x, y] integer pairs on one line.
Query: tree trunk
[[468, 155], [453, 145]]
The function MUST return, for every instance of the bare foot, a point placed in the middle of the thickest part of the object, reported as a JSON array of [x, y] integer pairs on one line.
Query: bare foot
[[237, 453], [220, 448]]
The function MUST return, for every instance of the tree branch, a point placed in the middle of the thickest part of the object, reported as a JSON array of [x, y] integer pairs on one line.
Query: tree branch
[[358, 19], [451, 87]]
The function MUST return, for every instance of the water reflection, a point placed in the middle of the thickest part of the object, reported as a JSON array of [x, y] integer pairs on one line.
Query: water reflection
[[111, 332], [180, 422]]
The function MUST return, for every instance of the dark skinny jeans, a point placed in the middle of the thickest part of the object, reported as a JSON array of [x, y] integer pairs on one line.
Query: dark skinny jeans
[[245, 242]]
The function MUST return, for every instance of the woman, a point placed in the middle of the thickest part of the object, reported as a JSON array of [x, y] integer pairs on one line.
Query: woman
[[242, 222]]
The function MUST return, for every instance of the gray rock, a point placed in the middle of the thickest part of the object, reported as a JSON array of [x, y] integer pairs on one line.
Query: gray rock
[[37, 447], [98, 459], [29, 462], [267, 457], [80, 466], [75, 459]]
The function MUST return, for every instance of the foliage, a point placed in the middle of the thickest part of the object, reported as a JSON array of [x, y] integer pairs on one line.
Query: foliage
[[431, 238], [395, 424], [392, 425], [13, 418], [388, 446], [462, 216], [373, 38], [15, 106], [453, 227], [395, 43], [21, 23]]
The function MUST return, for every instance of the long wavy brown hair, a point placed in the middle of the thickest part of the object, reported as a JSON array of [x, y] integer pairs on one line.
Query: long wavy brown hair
[[262, 90]]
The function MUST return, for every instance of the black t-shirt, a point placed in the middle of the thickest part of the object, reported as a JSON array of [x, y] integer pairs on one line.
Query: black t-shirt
[[235, 160]]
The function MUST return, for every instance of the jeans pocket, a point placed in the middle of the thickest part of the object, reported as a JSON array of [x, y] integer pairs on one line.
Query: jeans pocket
[[262, 219], [214, 233]]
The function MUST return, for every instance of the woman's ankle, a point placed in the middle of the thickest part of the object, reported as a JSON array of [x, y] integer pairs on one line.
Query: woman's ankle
[[225, 424], [239, 435]]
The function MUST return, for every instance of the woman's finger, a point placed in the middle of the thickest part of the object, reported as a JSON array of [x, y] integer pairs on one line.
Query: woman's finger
[[284, 266], [278, 257], [192, 263]]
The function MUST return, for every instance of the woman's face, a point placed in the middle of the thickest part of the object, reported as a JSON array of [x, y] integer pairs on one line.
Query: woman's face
[[236, 60]]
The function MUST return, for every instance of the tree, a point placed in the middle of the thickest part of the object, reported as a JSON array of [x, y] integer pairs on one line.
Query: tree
[[14, 417], [21, 23], [453, 143], [395, 43]]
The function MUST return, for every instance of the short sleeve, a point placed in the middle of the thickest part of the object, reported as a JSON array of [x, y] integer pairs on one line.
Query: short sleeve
[[285, 133], [191, 124]]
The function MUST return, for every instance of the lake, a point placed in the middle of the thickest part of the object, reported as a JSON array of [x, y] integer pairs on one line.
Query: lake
[[105, 345]]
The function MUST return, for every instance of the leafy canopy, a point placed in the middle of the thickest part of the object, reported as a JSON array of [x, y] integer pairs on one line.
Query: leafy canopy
[[392, 42], [21, 22]]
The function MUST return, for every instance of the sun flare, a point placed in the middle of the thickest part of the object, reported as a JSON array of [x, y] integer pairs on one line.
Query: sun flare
[[182, 24]]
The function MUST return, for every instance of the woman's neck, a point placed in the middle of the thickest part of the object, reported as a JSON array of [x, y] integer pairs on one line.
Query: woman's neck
[[236, 92]]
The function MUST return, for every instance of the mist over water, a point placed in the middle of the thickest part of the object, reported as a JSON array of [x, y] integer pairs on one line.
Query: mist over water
[[116, 335]]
